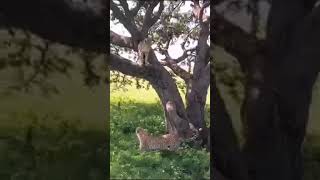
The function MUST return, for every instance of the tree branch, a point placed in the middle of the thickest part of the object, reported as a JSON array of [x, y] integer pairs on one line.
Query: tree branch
[[136, 9], [202, 47], [128, 67], [77, 23], [203, 50], [175, 61], [158, 77], [184, 55], [186, 76], [127, 12], [121, 41], [198, 11], [150, 20], [164, 52], [205, 5], [127, 23], [217, 2], [236, 41], [196, 2], [186, 38], [206, 73]]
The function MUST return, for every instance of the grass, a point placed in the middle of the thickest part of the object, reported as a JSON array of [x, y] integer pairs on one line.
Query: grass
[[148, 96], [142, 108], [63, 150], [68, 139], [312, 157]]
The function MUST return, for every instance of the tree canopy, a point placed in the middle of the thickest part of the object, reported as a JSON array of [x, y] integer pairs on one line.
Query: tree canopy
[[168, 26]]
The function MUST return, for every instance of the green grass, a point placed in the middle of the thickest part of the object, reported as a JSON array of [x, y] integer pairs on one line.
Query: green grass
[[312, 157], [140, 95], [135, 95], [69, 135], [62, 150], [142, 108]]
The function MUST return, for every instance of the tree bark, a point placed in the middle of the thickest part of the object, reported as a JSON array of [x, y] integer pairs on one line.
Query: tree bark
[[277, 104], [199, 83], [278, 89], [227, 157], [161, 81]]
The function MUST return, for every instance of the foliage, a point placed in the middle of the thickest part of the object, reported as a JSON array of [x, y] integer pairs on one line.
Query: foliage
[[121, 81], [126, 159], [311, 157], [172, 27], [228, 74], [35, 60]]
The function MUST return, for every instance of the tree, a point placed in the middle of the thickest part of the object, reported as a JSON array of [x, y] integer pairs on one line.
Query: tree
[[280, 70], [162, 21], [81, 24]]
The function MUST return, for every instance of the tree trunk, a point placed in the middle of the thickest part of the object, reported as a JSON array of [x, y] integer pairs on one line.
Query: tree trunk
[[196, 101], [199, 83], [167, 91], [217, 175], [278, 87], [276, 105], [227, 157], [165, 87]]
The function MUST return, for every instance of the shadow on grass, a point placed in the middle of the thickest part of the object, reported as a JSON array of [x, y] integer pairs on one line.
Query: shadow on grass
[[312, 157], [64, 150]]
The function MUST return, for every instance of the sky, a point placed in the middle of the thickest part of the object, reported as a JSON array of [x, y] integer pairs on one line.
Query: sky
[[174, 50]]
